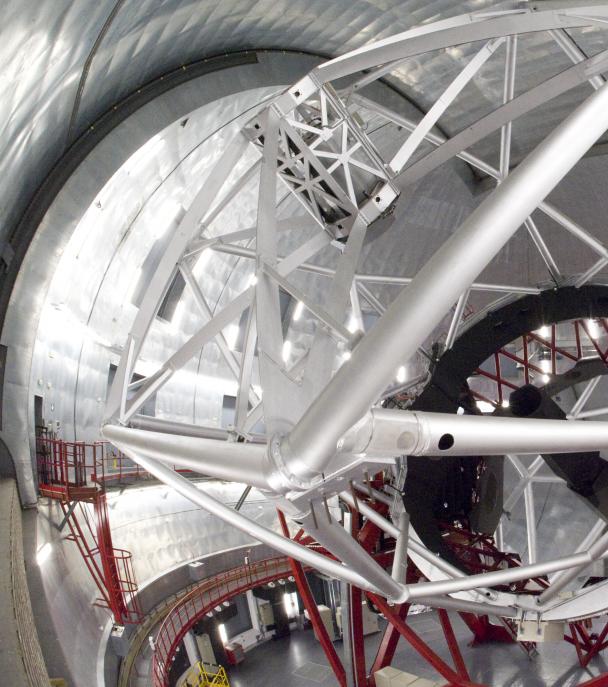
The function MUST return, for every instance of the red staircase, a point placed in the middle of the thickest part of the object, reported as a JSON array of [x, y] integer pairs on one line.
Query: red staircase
[[73, 473]]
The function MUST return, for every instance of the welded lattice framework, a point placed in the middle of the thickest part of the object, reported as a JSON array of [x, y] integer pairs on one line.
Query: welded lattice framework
[[325, 432]]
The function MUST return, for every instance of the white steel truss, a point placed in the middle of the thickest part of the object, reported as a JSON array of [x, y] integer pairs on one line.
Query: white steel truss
[[324, 429]]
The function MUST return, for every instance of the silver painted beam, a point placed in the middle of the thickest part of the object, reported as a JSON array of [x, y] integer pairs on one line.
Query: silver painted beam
[[417, 310]]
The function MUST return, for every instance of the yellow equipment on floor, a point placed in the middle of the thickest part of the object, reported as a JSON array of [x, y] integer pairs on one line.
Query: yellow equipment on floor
[[206, 675]]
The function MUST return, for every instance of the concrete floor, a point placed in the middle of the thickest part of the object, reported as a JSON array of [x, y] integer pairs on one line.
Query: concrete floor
[[298, 661]]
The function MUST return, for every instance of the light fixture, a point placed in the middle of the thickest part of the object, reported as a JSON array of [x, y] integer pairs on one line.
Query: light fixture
[[286, 350], [223, 634], [353, 324], [401, 374], [298, 310], [485, 407], [543, 331]]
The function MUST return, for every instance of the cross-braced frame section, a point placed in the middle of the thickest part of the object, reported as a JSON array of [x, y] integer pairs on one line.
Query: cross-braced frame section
[[321, 185]]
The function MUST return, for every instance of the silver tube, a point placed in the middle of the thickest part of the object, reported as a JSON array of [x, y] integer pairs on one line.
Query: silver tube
[[229, 460], [584, 397], [156, 424], [525, 572], [592, 413], [243, 252], [573, 227], [451, 604], [453, 330], [530, 522], [543, 250], [416, 311], [336, 539], [388, 527], [567, 44], [399, 570], [389, 432], [591, 272], [508, 91], [564, 578], [286, 546]]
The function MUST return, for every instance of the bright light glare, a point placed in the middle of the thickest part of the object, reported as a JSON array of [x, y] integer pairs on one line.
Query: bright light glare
[[286, 350], [485, 407], [544, 330], [545, 379], [223, 634], [346, 355], [231, 334], [253, 280], [143, 157], [545, 366], [505, 403], [353, 324], [290, 602], [401, 375], [592, 328], [165, 217], [43, 553], [177, 316], [298, 310]]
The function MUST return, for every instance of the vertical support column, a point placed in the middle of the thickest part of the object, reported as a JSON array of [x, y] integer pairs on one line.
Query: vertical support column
[[313, 612], [358, 643], [191, 648], [352, 620], [347, 645]]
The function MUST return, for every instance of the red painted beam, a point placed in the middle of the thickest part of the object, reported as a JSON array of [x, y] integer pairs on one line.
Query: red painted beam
[[419, 645], [313, 612], [450, 638], [388, 645], [356, 610], [599, 681]]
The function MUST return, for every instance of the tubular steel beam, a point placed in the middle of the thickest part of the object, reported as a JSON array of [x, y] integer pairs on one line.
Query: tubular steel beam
[[286, 546], [417, 310], [418, 645], [313, 611]]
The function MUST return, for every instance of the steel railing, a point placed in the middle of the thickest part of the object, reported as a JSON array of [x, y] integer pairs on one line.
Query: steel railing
[[211, 593]]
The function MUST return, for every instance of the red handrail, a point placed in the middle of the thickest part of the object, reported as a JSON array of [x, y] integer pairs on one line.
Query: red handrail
[[204, 598]]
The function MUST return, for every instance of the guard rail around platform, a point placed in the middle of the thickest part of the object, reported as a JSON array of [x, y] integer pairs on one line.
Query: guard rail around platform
[[203, 599]]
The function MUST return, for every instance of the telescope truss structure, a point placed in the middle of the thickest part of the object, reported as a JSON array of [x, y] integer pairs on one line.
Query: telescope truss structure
[[326, 430]]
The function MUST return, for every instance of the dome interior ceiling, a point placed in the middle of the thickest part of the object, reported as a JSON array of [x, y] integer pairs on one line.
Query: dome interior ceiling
[[64, 66]]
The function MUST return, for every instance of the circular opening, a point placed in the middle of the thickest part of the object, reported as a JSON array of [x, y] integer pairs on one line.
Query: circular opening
[[445, 442]]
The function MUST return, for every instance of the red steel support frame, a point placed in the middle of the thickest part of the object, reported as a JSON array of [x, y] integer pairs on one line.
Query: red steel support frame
[[450, 638], [587, 645], [420, 646], [388, 645], [549, 345], [313, 612]]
